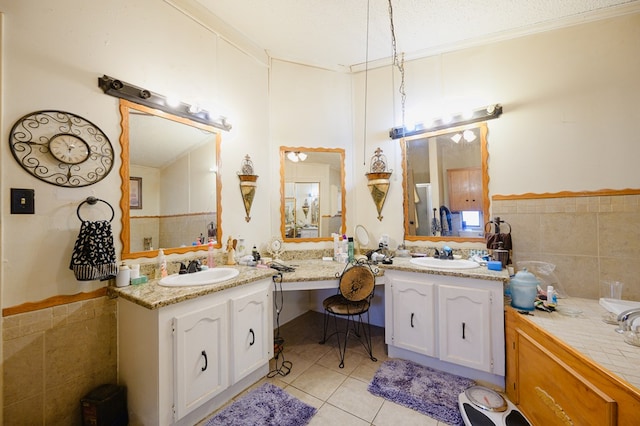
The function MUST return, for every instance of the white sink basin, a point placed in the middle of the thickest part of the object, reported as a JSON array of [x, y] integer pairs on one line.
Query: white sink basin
[[206, 277], [618, 306], [432, 262]]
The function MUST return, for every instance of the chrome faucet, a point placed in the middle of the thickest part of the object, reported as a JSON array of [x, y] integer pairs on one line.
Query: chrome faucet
[[194, 266], [626, 318]]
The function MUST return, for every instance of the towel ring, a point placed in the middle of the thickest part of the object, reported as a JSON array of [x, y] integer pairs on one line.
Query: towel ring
[[93, 201], [493, 222]]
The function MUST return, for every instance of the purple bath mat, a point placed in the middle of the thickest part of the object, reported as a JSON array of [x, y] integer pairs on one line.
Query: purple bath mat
[[428, 391], [267, 405]]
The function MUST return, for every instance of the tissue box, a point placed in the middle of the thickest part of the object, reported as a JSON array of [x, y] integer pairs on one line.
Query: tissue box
[[494, 265], [143, 279]]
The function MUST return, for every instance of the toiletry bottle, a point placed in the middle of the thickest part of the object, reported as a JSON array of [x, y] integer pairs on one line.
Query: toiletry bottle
[[211, 260], [551, 297], [336, 246], [345, 244], [123, 277], [162, 264], [350, 248], [255, 254]]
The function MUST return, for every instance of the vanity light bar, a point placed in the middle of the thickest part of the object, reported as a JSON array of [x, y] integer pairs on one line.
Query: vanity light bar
[[123, 90], [483, 114]]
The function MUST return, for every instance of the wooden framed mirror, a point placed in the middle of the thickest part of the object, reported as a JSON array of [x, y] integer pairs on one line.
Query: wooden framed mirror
[[312, 193], [175, 163], [446, 184]]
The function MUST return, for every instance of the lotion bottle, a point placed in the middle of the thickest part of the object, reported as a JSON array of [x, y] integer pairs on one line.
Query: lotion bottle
[[162, 264], [211, 259]]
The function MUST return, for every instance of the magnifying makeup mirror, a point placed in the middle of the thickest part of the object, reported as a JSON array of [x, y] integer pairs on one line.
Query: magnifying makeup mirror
[[362, 238]]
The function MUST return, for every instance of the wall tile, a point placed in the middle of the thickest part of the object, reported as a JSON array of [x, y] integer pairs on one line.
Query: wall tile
[[566, 233]]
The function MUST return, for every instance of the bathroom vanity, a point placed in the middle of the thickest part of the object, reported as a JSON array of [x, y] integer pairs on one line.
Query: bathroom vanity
[[446, 319], [571, 369], [184, 352]]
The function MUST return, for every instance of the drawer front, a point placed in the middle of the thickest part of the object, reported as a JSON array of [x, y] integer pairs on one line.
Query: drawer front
[[556, 394]]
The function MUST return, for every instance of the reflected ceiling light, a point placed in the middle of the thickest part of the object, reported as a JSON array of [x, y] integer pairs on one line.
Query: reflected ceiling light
[[456, 138], [469, 136], [123, 90], [296, 156], [482, 114]]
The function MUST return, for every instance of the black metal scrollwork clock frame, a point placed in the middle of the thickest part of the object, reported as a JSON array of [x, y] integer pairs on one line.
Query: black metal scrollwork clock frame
[[61, 148]]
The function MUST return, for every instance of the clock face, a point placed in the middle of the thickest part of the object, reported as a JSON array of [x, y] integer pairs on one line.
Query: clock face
[[69, 149], [61, 148]]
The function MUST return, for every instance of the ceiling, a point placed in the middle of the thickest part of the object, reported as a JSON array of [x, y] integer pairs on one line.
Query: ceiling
[[332, 33]]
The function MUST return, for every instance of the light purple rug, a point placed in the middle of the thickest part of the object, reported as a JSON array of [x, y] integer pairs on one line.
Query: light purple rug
[[428, 391], [266, 405]]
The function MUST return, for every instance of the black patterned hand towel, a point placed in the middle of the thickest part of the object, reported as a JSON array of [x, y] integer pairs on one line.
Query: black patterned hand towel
[[94, 256]]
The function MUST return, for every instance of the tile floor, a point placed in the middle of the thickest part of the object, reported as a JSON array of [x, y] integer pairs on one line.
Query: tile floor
[[339, 394]]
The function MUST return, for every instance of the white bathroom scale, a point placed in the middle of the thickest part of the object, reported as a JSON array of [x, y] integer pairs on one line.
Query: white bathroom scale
[[481, 406]]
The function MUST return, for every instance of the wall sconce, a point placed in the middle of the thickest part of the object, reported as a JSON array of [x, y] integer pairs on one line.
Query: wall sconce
[[296, 156], [122, 90], [248, 185], [305, 208], [482, 114], [378, 180]]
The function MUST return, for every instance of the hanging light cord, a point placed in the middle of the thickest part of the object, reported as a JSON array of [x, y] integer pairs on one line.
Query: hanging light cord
[[399, 63], [366, 91]]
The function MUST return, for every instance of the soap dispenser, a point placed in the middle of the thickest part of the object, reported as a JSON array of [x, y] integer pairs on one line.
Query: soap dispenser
[[211, 258], [162, 264]]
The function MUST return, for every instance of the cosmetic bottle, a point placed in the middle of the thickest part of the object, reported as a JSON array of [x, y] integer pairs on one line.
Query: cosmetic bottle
[[211, 259]]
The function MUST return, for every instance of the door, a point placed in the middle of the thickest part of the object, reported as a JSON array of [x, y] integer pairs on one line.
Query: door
[[250, 342], [200, 357], [413, 316], [465, 326]]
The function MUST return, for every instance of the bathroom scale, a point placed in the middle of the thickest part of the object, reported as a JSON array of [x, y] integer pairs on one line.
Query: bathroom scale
[[481, 406]]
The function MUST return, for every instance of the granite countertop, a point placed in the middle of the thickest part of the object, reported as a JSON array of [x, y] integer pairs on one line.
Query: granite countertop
[[592, 337], [151, 295]]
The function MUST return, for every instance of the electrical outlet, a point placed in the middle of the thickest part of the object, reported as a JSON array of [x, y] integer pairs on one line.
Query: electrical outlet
[[22, 201]]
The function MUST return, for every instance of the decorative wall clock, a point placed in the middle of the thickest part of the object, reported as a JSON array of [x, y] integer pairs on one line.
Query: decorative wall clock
[[61, 148]]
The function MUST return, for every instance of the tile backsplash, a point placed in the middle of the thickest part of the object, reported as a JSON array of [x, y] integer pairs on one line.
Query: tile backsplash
[[589, 238]]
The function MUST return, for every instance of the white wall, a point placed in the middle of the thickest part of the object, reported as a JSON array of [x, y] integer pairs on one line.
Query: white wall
[[570, 117], [569, 98], [53, 54]]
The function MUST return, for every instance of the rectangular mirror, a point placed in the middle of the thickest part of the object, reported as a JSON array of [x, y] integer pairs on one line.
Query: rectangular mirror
[[176, 161], [445, 184], [312, 205]]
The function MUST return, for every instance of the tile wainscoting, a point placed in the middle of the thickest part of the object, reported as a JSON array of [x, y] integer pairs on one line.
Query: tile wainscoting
[[53, 357], [590, 238]]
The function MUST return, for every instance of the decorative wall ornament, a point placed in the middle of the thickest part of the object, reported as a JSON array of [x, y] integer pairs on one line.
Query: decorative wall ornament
[[248, 184], [379, 180], [61, 148]]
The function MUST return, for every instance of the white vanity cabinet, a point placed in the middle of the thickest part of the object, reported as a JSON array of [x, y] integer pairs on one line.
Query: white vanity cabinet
[[412, 315], [250, 333], [182, 361], [451, 323]]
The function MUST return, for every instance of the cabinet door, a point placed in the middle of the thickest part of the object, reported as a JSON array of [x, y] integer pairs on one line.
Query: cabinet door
[[250, 345], [200, 357], [465, 326], [413, 316], [465, 189]]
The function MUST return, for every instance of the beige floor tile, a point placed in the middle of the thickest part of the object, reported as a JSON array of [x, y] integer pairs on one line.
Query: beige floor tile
[[330, 415], [304, 397], [353, 397], [393, 414], [319, 381]]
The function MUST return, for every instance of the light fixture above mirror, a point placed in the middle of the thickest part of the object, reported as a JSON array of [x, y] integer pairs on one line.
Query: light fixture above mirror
[[123, 90]]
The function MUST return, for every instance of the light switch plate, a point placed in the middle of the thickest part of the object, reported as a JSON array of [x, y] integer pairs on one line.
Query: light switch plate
[[22, 201]]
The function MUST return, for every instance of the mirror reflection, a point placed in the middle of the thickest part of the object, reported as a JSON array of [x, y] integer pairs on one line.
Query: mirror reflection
[[445, 184], [169, 171], [312, 193]]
